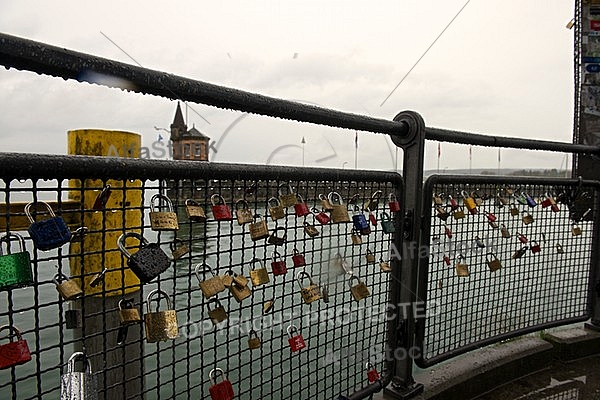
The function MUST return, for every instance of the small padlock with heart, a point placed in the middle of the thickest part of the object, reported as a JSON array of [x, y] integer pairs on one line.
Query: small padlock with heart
[[160, 325], [148, 262], [220, 209], [295, 339], [242, 212], [222, 390], [15, 268], [276, 210], [162, 220], [310, 293], [212, 286], [50, 233], [217, 314], [194, 211], [360, 290], [258, 276]]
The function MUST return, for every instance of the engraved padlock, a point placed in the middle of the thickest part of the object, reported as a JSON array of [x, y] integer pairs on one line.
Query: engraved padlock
[[78, 385], [276, 240], [160, 325], [253, 340], [148, 262], [321, 216], [240, 292], [162, 220], [244, 215], [360, 290], [387, 224], [295, 339], [301, 208], [258, 276], [15, 352], [360, 222], [462, 269], [258, 228], [310, 229], [68, 289], [128, 313], [15, 268], [178, 249], [325, 204], [50, 233], [194, 211], [220, 209], [217, 314], [286, 195], [310, 293], [212, 286], [298, 259], [276, 210], [278, 265], [339, 212], [222, 390], [493, 262], [393, 203]]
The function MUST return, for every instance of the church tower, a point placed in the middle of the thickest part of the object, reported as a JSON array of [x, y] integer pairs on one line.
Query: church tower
[[188, 145]]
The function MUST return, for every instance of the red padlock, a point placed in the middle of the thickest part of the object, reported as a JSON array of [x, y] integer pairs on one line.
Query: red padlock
[[372, 219], [220, 210], [14, 352], [222, 390], [535, 247], [301, 208], [295, 339], [393, 203], [321, 216], [491, 217], [298, 259], [522, 238], [453, 203], [447, 260], [372, 373], [448, 231], [554, 208], [102, 198], [278, 266], [548, 201]]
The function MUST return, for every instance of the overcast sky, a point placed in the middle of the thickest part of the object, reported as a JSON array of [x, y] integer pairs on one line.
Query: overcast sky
[[502, 67]]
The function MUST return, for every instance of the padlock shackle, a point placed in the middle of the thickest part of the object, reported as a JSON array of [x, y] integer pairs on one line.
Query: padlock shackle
[[340, 199], [124, 236], [464, 194], [27, 210], [303, 275], [289, 188], [392, 197], [271, 199], [354, 277], [211, 375], [491, 253], [460, 258], [244, 203], [369, 366], [126, 304], [159, 196], [204, 267], [191, 202], [290, 329], [59, 275], [276, 255], [257, 218], [280, 228], [6, 237], [251, 333], [355, 197], [257, 260], [385, 216], [159, 293], [174, 243], [376, 195], [217, 196], [12, 329], [300, 198], [213, 300], [74, 357]]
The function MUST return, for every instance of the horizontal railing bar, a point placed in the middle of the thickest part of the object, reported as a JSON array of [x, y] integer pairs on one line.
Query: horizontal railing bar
[[446, 135], [42, 58]]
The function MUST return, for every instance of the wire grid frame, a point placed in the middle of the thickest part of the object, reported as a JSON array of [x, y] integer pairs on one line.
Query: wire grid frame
[[341, 335], [545, 266]]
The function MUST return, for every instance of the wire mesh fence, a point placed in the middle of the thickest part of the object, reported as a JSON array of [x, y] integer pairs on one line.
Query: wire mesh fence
[[283, 268], [507, 256]]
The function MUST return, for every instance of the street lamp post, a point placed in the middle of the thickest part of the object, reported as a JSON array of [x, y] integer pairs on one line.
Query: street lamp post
[[303, 143]]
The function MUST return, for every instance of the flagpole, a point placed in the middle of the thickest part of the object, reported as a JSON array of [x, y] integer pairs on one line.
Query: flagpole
[[498, 173], [438, 158], [470, 159], [355, 149]]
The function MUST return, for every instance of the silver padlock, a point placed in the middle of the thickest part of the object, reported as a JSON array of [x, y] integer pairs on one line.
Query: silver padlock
[[78, 385]]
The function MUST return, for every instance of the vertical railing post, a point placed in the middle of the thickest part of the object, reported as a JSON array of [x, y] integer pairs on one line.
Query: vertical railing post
[[404, 286], [594, 290]]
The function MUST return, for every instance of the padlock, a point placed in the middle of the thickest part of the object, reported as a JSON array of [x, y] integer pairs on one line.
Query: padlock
[[448, 231], [276, 210], [527, 218], [102, 198], [372, 374], [128, 313], [15, 268], [372, 219], [339, 266], [355, 237], [576, 230], [15, 352], [325, 204], [493, 224], [560, 249], [373, 202], [522, 238], [194, 211], [68, 289], [514, 210], [504, 231], [384, 266], [75, 385], [278, 265], [310, 293], [244, 215], [458, 213], [360, 222], [535, 247], [446, 259], [160, 325], [222, 390], [286, 195], [220, 209], [554, 208], [520, 253], [252, 188], [437, 199], [227, 279], [253, 340], [178, 249], [477, 198], [548, 201], [295, 339], [268, 306], [298, 259], [258, 228], [148, 262], [325, 293], [469, 202], [387, 224], [258, 276], [321, 216], [500, 200], [310, 229], [73, 317], [49, 233], [218, 313], [98, 278], [239, 280], [278, 240], [360, 290], [479, 242], [493, 262], [490, 217], [521, 199], [370, 257], [301, 208], [339, 212], [530, 201], [163, 220], [393, 203], [462, 269], [240, 293], [441, 213], [452, 203]]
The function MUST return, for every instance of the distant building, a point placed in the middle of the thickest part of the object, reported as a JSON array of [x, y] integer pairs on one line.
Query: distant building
[[187, 145]]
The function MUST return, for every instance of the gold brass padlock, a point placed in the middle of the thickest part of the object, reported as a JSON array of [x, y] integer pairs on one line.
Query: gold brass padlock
[[276, 210], [178, 249], [576, 230], [504, 231], [194, 211], [459, 213], [477, 197], [128, 314], [253, 340], [356, 239], [462, 269], [339, 212], [162, 220], [370, 257], [68, 289], [239, 287], [287, 199], [442, 213], [527, 218], [258, 276], [514, 210], [160, 325], [218, 313], [384, 266], [310, 229], [360, 290], [211, 286], [437, 199], [520, 253], [325, 204], [310, 293], [258, 228], [244, 214], [240, 280], [493, 262]]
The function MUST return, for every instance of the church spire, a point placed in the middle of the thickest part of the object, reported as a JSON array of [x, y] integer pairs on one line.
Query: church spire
[[178, 127]]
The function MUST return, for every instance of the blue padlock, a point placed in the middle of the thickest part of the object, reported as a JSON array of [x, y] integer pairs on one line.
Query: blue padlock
[[49, 233], [360, 222], [530, 201]]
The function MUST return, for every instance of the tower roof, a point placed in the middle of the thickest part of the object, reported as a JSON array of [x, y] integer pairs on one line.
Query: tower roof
[[178, 120], [196, 133]]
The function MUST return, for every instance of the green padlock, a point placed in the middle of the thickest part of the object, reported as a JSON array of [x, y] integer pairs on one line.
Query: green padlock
[[387, 224], [15, 268]]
